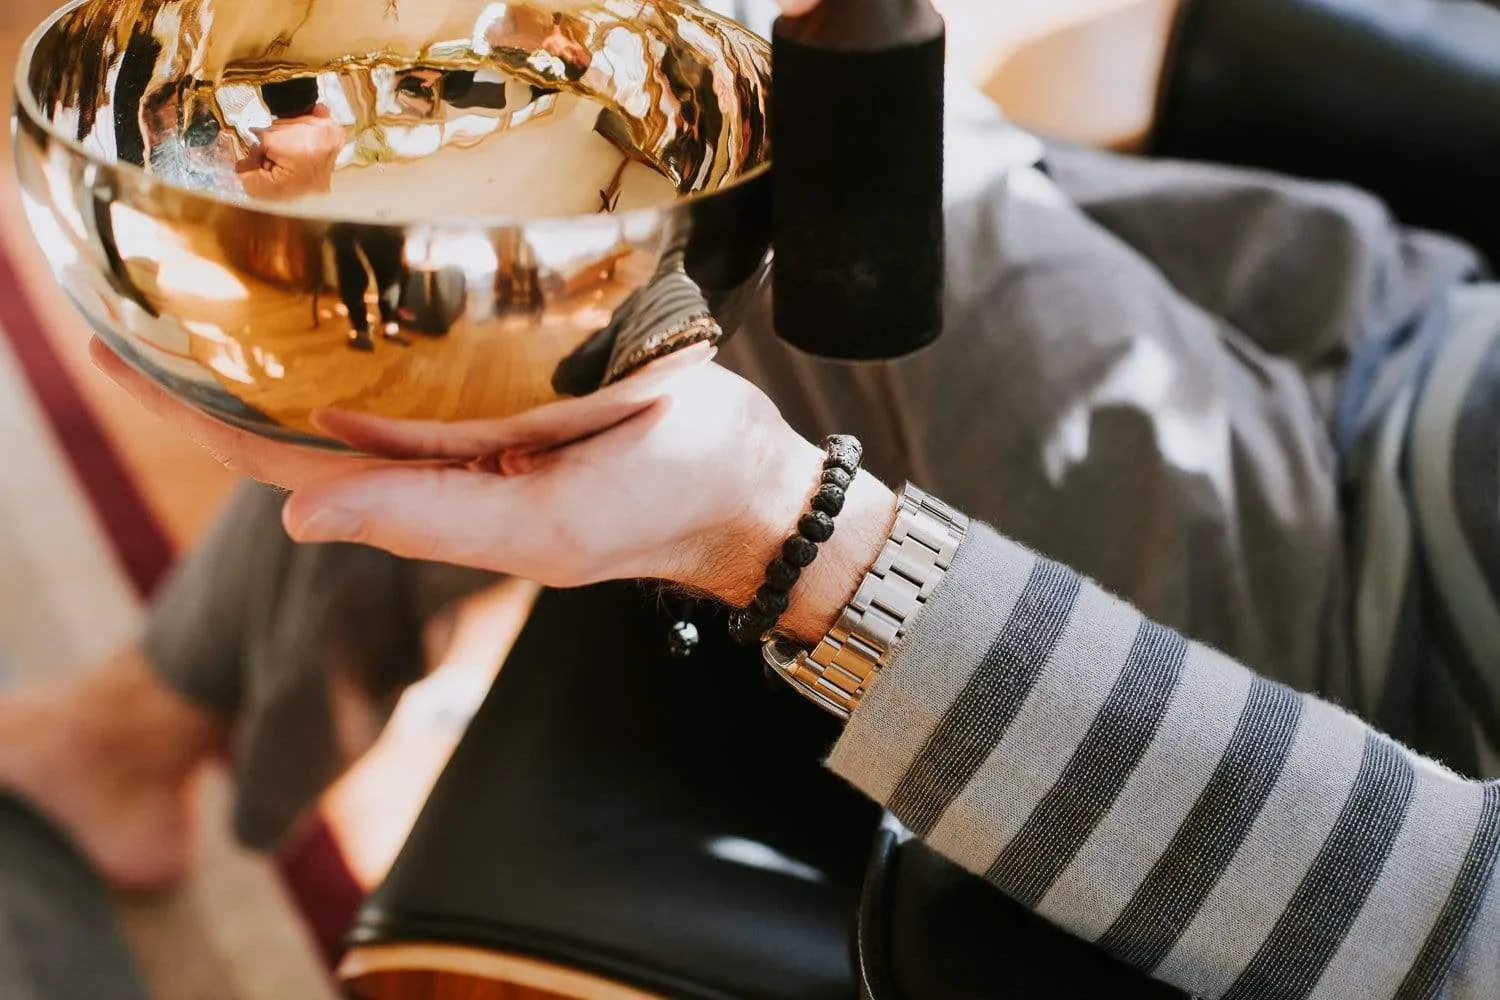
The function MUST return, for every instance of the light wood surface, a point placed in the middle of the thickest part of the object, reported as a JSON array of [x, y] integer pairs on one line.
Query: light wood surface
[[229, 932], [63, 598], [447, 972]]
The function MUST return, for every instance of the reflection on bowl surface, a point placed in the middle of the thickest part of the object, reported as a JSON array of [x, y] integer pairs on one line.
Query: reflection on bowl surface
[[436, 209]]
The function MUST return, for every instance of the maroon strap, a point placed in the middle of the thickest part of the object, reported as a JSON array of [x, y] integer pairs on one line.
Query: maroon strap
[[137, 537]]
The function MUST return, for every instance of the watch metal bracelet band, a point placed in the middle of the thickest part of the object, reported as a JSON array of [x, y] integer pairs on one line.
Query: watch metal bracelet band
[[836, 673]]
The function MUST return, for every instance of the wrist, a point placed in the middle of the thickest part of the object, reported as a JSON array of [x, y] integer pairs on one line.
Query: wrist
[[836, 670], [783, 492], [829, 584]]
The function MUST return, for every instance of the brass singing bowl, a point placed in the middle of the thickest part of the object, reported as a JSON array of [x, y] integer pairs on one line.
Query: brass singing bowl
[[425, 209]]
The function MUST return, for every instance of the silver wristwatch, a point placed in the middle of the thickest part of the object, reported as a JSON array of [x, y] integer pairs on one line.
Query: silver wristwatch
[[836, 673]]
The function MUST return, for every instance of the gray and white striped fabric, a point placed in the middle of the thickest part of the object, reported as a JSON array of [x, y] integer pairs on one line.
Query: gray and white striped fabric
[[1423, 463], [1419, 441], [1226, 834]]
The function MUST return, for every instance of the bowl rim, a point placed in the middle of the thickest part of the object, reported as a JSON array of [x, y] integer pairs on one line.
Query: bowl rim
[[26, 103]]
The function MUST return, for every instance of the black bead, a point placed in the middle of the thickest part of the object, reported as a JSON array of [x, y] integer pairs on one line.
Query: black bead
[[799, 551], [771, 603], [815, 526], [844, 452], [829, 499], [781, 574], [747, 628], [749, 625], [837, 477]]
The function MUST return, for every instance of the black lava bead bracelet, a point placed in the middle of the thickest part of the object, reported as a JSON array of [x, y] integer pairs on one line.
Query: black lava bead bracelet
[[750, 626]]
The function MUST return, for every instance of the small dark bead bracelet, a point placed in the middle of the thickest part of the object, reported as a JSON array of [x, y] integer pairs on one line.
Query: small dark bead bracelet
[[750, 626]]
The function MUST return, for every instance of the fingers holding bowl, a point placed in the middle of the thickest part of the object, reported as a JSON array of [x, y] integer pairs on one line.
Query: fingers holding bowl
[[511, 445], [545, 427], [543, 520]]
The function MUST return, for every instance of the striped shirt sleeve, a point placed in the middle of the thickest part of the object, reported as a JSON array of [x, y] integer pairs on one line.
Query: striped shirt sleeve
[[1216, 829]]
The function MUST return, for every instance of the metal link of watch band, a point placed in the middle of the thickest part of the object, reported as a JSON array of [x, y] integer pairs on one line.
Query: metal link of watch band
[[836, 673]]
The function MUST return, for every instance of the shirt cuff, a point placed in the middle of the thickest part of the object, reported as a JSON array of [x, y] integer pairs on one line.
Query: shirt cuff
[[932, 662]]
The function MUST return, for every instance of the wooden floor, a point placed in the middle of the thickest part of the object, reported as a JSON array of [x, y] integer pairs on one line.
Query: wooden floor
[[230, 933]]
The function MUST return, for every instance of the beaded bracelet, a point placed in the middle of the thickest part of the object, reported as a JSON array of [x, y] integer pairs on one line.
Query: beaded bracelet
[[750, 626]]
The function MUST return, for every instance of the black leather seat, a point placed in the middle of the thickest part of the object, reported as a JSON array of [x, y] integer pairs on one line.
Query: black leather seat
[[1400, 97], [929, 930], [661, 823]]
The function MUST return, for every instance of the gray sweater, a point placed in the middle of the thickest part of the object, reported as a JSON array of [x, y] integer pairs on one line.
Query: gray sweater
[[1226, 834]]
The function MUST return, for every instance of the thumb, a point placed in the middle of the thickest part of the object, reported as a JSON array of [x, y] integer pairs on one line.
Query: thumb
[[796, 8]]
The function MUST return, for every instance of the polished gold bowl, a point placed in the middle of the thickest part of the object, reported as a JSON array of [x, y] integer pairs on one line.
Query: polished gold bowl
[[430, 209]]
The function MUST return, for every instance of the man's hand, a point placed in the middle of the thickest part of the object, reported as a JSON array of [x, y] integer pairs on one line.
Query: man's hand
[[295, 157], [697, 480], [690, 469]]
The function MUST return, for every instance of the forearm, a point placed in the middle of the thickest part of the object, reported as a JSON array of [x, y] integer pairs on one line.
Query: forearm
[[1219, 830]]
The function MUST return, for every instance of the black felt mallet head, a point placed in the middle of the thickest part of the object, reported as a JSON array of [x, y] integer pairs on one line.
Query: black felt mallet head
[[857, 134]]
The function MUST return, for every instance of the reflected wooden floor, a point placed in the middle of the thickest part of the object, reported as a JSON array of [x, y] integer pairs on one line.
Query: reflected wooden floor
[[277, 361], [483, 369], [286, 351]]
